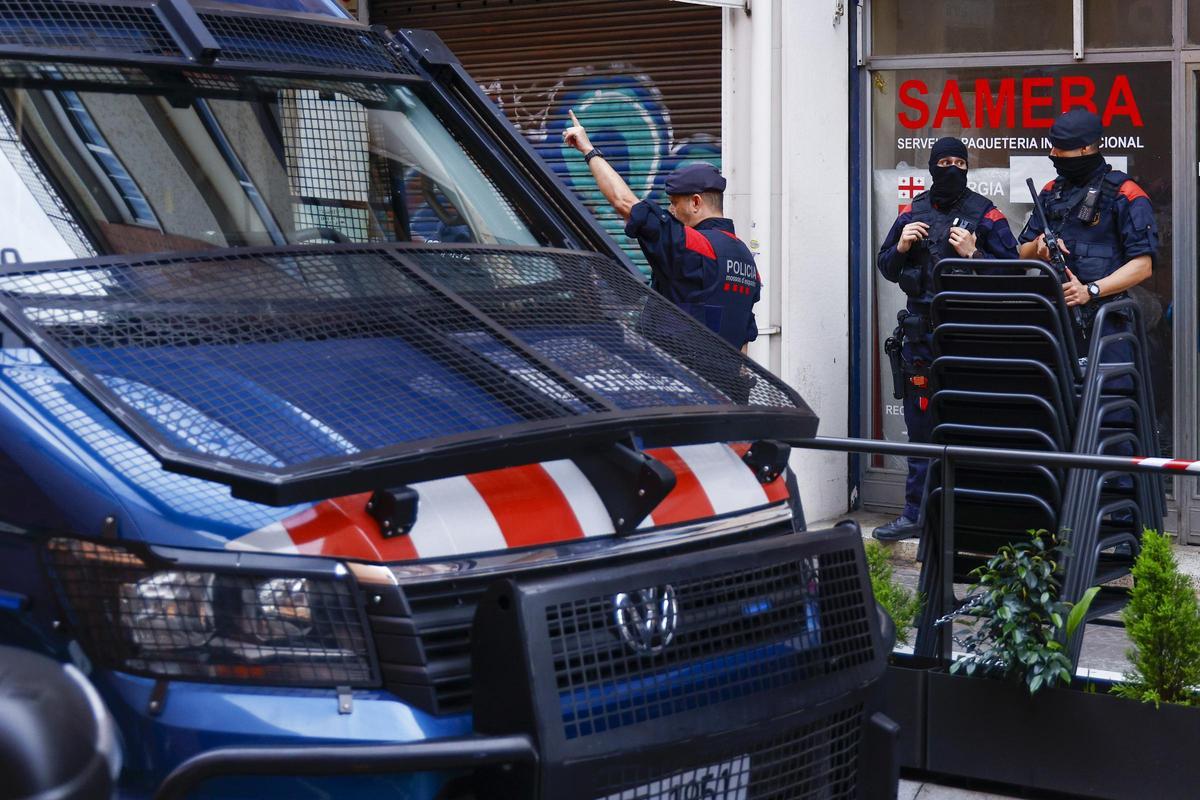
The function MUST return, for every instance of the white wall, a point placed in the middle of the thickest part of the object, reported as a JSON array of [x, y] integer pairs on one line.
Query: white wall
[[785, 134]]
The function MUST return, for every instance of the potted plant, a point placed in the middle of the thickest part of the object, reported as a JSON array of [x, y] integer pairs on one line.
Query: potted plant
[[1008, 712]]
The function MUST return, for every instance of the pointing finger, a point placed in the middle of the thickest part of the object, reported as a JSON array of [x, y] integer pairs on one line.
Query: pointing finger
[[574, 119]]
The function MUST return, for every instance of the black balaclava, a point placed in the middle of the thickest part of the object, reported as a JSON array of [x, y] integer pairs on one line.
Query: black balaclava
[[949, 183], [1074, 130], [1078, 169]]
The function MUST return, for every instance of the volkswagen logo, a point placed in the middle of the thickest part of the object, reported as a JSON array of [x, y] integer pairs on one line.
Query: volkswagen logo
[[647, 618]]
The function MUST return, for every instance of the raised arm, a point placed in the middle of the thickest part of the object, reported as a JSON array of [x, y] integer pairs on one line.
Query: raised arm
[[611, 184]]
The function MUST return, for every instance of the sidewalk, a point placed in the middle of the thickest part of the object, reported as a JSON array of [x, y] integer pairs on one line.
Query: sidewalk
[[912, 790]]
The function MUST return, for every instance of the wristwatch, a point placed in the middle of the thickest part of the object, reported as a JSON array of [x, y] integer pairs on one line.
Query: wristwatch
[[595, 152], [1093, 290]]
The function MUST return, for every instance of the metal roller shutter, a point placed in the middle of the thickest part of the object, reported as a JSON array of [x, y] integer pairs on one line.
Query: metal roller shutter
[[644, 76]]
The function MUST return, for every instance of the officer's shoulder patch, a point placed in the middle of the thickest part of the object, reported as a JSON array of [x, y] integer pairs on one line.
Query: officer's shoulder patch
[[695, 241], [995, 215], [1131, 191], [1049, 185], [906, 209]]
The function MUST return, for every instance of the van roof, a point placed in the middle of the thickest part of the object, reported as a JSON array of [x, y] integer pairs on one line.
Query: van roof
[[328, 8]]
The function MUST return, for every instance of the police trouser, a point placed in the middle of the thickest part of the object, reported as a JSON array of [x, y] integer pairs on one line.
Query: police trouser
[[917, 357]]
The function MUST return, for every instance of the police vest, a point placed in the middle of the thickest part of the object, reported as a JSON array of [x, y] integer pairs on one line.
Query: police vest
[[970, 209], [725, 302], [1096, 249]]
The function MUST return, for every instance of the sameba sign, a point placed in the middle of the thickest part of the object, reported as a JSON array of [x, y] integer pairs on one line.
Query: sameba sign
[[1008, 103]]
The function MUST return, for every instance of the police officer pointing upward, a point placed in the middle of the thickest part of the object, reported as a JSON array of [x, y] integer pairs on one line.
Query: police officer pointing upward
[[948, 221], [696, 259], [1104, 220]]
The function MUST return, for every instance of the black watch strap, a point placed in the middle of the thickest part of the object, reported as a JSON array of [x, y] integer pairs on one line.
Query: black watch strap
[[595, 152]]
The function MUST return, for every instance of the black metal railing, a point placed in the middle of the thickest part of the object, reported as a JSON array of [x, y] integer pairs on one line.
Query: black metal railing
[[951, 456]]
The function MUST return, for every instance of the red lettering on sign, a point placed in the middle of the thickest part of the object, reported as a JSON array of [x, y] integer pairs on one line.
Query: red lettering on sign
[[1031, 101], [906, 91], [951, 106], [993, 112], [1083, 99], [996, 107], [1121, 103]]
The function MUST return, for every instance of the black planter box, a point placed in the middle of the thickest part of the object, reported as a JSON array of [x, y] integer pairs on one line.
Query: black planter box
[[904, 702], [1062, 740]]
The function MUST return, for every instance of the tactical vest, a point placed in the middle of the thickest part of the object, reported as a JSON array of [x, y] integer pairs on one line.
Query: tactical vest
[[1096, 249], [726, 301], [916, 279]]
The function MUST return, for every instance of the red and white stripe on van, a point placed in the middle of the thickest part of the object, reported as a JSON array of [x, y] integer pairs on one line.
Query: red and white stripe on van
[[535, 504]]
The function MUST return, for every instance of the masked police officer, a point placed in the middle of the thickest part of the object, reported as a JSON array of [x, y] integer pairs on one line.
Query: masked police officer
[[1104, 221], [1106, 230], [948, 221], [695, 258]]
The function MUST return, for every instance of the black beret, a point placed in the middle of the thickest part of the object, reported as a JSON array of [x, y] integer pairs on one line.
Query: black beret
[[947, 146], [1075, 129], [695, 179]]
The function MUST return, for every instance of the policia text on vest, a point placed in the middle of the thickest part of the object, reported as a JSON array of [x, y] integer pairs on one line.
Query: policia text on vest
[[948, 221]]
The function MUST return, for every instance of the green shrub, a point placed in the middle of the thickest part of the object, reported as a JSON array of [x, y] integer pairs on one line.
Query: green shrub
[[1016, 616], [1163, 624], [900, 603]]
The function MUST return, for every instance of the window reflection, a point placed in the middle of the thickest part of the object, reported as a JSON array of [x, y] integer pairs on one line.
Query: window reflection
[[909, 27], [1004, 113]]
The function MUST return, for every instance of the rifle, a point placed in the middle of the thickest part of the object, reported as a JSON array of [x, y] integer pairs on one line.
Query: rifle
[[1057, 259]]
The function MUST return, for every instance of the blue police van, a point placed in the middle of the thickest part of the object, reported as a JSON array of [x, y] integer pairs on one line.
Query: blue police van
[[342, 454]]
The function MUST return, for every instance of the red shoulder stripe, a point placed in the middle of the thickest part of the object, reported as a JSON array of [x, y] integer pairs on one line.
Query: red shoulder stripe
[[906, 209], [1049, 185], [995, 215], [694, 240], [1131, 191], [730, 235]]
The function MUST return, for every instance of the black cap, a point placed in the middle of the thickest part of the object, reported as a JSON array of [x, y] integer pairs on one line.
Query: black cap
[[1075, 129], [695, 179], [947, 146]]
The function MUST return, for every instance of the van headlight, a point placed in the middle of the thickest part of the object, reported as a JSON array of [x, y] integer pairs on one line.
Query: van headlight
[[133, 613]]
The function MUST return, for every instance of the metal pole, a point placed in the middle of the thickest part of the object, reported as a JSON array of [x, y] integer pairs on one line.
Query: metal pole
[[946, 561], [1077, 28], [1001, 455]]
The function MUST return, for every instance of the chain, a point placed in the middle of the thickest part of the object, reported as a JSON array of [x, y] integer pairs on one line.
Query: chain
[[962, 610]]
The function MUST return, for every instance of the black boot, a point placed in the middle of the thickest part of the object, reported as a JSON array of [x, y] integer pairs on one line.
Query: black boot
[[897, 529]]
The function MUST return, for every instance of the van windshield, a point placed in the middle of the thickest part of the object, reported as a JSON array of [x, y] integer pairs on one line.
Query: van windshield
[[176, 168]]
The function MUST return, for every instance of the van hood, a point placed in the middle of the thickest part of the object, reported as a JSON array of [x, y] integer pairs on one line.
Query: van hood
[[79, 452]]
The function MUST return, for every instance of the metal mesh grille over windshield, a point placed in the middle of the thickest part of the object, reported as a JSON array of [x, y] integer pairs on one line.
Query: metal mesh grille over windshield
[[269, 39], [56, 25], [280, 366], [135, 29]]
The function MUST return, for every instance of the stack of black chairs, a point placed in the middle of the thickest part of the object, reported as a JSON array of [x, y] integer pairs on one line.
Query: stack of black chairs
[[1007, 372]]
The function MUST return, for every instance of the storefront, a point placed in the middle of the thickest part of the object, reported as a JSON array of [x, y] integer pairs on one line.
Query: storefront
[[996, 73]]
